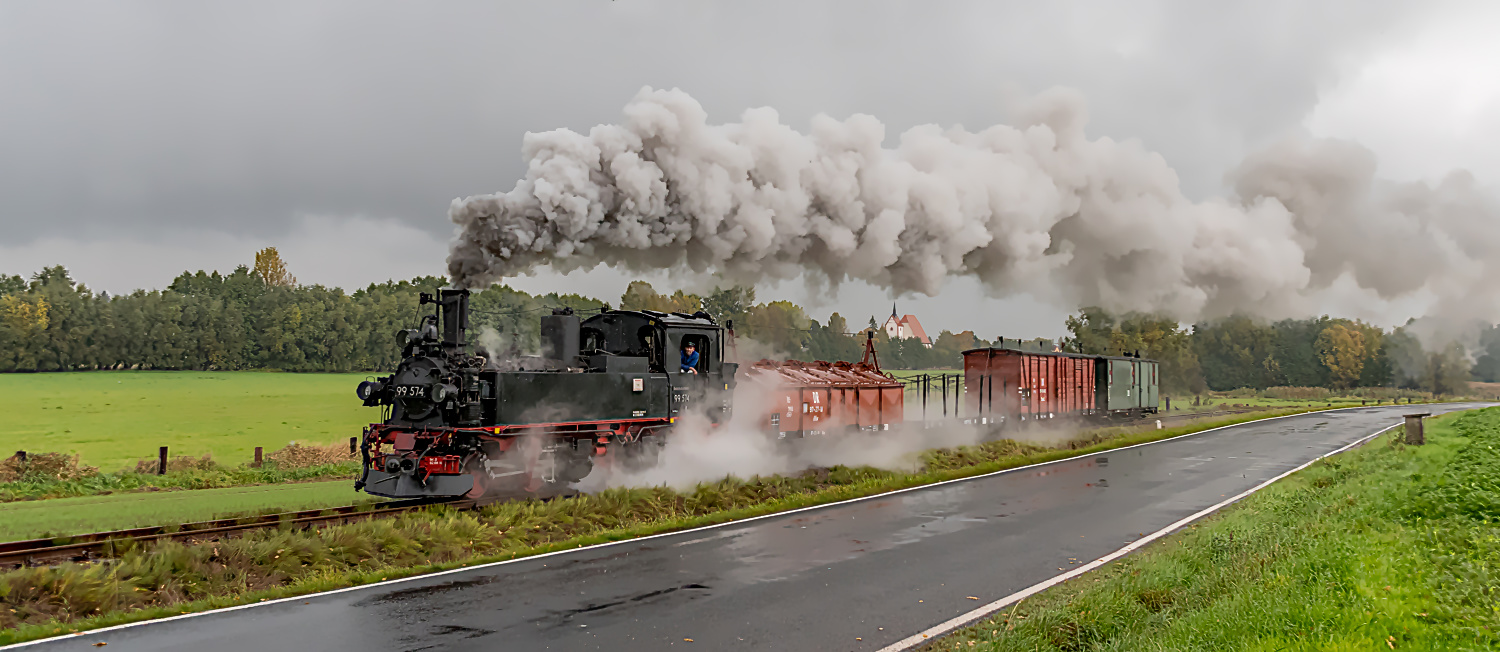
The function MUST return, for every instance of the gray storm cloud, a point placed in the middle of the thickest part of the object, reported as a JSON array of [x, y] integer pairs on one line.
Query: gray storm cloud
[[1033, 207]]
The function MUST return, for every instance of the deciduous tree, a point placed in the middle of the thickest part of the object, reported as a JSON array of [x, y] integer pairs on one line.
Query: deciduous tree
[[1341, 348], [272, 269]]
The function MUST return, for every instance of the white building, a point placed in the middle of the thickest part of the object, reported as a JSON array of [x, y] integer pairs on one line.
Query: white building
[[906, 328]]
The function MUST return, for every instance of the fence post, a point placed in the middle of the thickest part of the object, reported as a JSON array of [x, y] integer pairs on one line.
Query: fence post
[[1169, 403], [161, 461], [979, 411], [257, 457], [945, 394], [1414, 434], [352, 447], [924, 400]]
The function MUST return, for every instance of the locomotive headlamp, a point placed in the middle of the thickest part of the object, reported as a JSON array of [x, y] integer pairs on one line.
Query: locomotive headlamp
[[367, 389]]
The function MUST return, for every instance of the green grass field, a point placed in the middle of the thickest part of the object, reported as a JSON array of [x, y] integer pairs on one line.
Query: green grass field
[[1185, 403], [114, 418], [1386, 547], [35, 519]]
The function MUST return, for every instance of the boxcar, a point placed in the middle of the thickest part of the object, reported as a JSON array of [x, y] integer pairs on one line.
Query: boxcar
[[1009, 383], [1028, 384], [1126, 385]]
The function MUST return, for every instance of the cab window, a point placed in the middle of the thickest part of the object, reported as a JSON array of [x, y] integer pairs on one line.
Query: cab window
[[702, 345]]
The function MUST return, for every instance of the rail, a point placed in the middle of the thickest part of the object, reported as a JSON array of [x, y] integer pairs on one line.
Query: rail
[[98, 545]]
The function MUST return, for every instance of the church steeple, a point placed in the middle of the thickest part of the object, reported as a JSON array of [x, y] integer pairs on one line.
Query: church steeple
[[893, 310]]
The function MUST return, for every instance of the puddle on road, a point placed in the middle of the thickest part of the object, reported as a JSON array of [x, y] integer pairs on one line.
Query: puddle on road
[[554, 619], [421, 592]]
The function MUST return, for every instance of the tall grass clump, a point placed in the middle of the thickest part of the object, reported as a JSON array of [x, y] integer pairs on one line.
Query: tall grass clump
[[1389, 393], [44, 467]]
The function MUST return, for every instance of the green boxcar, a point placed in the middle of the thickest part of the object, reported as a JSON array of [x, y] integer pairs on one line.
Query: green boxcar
[[1125, 385], [1151, 388]]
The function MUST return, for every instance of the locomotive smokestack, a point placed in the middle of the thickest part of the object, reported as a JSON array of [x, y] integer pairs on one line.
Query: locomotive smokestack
[[455, 307], [560, 336]]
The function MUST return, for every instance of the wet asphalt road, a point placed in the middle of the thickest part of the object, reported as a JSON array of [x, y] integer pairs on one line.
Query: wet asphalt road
[[856, 576]]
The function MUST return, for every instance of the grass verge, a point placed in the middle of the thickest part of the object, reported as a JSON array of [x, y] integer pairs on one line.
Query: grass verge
[[170, 578], [67, 516], [40, 487], [1385, 547]]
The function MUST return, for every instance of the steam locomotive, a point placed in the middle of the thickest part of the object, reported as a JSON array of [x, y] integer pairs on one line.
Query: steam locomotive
[[460, 422]]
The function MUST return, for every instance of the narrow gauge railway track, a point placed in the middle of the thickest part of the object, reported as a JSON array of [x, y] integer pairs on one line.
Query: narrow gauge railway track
[[101, 545]]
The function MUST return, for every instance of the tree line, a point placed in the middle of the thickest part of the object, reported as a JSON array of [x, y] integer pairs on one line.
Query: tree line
[[260, 318], [1240, 351]]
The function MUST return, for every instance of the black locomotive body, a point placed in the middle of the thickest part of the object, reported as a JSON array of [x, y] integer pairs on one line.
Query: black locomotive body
[[605, 389]]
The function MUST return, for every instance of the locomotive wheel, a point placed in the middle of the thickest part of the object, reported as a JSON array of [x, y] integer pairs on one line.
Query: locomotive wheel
[[642, 454], [475, 468]]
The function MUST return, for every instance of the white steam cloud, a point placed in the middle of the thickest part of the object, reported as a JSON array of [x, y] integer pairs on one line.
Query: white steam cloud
[[698, 452], [1036, 207]]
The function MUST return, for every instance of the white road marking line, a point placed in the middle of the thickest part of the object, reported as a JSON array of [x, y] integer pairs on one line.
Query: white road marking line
[[947, 626], [464, 569]]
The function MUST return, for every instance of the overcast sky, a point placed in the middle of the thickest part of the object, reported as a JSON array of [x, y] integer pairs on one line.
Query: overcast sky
[[142, 139]]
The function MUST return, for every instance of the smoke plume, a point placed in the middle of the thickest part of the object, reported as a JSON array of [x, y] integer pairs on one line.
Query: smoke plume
[[1035, 207], [697, 452]]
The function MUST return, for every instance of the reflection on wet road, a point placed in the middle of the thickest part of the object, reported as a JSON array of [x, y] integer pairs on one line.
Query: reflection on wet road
[[854, 576]]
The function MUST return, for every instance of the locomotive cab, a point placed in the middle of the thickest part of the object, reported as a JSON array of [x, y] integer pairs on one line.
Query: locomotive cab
[[653, 342]]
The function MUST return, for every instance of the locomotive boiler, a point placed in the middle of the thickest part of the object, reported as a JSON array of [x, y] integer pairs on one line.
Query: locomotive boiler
[[458, 421]]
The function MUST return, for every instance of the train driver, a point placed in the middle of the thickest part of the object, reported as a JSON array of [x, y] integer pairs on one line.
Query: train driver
[[689, 358]]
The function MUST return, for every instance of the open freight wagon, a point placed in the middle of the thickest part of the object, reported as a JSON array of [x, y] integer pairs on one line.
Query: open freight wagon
[[805, 399], [1012, 384]]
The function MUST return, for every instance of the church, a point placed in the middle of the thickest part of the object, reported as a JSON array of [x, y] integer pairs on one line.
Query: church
[[905, 328]]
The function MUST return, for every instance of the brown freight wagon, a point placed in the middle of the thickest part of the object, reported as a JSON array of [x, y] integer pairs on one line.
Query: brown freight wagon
[[805, 399], [1027, 385]]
